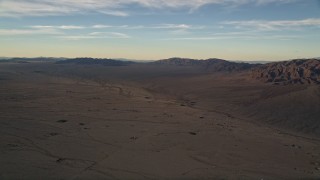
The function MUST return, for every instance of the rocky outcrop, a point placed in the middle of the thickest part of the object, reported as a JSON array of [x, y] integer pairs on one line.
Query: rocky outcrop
[[306, 71]]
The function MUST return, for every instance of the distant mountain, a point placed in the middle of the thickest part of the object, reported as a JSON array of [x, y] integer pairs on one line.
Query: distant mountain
[[253, 62], [177, 62], [38, 59], [223, 65], [300, 71], [212, 65], [93, 61]]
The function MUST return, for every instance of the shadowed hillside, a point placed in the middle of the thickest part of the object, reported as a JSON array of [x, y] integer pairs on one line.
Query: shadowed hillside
[[289, 107]]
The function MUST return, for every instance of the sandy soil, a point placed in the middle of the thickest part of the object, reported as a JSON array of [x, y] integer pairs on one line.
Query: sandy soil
[[80, 122]]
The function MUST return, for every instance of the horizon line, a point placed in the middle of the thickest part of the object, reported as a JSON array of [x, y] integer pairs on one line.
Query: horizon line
[[129, 59]]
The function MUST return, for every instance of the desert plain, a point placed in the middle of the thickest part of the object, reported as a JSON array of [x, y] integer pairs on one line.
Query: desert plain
[[151, 121]]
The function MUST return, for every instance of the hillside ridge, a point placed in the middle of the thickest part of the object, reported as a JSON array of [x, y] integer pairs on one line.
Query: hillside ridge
[[299, 71], [211, 65]]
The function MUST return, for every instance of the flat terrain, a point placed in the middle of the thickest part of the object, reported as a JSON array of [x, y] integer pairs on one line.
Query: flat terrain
[[153, 122]]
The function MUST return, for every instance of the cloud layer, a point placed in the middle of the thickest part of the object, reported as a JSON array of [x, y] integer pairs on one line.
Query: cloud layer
[[18, 8], [250, 29], [275, 25]]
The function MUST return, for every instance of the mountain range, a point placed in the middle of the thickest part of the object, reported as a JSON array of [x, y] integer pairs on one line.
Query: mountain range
[[299, 71]]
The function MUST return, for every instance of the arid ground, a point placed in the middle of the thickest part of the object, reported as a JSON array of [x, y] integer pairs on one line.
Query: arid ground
[[142, 121]]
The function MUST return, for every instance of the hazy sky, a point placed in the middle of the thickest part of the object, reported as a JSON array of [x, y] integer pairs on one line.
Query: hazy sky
[[156, 29]]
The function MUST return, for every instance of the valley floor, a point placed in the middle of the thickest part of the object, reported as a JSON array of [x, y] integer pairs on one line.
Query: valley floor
[[64, 127]]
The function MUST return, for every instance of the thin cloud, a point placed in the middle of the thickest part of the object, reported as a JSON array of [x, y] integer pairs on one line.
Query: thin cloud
[[101, 26], [274, 25], [65, 27], [104, 26], [18, 8], [96, 35], [62, 31], [71, 27], [115, 13], [77, 37], [176, 26], [239, 35], [248, 37], [110, 34], [19, 32]]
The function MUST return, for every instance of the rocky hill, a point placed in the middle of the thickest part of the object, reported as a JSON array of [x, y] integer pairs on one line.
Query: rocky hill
[[302, 71], [211, 65], [93, 61]]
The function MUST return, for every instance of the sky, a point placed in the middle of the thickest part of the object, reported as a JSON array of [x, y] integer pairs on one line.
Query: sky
[[159, 29]]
